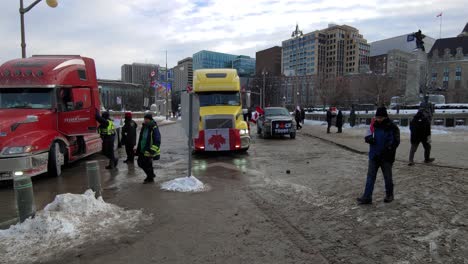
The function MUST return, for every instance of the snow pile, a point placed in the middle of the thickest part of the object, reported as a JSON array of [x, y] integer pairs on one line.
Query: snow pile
[[69, 221], [184, 184]]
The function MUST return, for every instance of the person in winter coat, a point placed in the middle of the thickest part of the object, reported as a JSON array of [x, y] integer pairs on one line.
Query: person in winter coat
[[148, 147], [129, 135], [329, 120], [107, 131], [298, 118], [352, 117], [339, 121], [420, 128], [384, 139]]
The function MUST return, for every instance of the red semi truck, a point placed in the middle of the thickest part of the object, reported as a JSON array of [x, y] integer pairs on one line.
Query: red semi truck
[[47, 109]]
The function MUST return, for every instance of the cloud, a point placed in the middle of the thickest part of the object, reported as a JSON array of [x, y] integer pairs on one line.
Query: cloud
[[121, 31]]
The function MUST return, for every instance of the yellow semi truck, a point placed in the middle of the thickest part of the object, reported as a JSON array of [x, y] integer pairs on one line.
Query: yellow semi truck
[[221, 126]]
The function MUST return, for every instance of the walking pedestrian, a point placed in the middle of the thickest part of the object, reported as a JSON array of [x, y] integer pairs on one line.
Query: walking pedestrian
[[352, 117], [329, 120], [383, 138], [339, 122], [107, 131], [298, 117], [129, 135], [148, 148], [420, 128]]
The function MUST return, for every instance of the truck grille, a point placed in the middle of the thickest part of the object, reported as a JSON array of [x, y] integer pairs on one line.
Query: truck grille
[[221, 122]]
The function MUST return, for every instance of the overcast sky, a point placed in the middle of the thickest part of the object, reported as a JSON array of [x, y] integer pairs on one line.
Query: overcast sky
[[114, 32]]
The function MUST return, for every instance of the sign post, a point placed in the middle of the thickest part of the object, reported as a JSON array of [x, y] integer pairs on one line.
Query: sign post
[[190, 116]]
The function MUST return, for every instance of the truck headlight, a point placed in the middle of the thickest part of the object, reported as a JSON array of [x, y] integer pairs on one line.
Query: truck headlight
[[244, 132], [17, 150]]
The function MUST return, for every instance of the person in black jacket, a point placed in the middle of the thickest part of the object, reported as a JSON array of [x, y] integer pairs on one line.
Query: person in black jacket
[[107, 131], [420, 128], [148, 148], [298, 118], [129, 136], [302, 115], [329, 120], [384, 138], [339, 121]]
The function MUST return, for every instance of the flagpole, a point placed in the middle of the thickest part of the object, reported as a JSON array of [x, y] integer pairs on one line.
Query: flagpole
[[440, 32]]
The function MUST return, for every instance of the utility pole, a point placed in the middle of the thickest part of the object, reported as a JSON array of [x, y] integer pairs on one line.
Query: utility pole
[[167, 84]]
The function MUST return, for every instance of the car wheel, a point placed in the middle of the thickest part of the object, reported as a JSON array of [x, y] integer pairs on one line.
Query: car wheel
[[292, 135]]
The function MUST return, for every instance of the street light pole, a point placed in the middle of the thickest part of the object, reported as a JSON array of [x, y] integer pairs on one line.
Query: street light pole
[[263, 89], [167, 84], [22, 11], [296, 35]]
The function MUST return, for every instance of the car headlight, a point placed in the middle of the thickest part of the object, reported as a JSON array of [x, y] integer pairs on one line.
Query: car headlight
[[244, 132], [17, 150]]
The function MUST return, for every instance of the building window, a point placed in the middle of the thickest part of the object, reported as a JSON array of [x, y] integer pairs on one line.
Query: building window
[[458, 74]]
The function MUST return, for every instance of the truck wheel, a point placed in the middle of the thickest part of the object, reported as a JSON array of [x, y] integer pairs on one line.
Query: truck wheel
[[292, 135], [56, 160]]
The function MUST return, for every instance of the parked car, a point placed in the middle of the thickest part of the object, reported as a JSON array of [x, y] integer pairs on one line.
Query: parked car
[[276, 121]]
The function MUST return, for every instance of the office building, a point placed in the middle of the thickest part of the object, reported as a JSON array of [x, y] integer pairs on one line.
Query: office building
[[268, 60], [204, 59], [183, 74], [139, 73], [448, 67]]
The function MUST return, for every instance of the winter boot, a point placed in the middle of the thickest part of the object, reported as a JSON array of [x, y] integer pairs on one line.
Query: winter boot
[[430, 160], [148, 180], [362, 200], [411, 163], [388, 199]]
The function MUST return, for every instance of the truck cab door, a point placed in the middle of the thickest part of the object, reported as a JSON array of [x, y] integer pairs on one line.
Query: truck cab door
[[76, 114]]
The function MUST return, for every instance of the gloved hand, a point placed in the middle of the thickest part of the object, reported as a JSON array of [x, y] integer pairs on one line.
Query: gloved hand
[[429, 140], [370, 140]]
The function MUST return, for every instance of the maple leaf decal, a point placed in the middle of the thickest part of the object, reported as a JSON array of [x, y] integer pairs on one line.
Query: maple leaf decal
[[217, 141]]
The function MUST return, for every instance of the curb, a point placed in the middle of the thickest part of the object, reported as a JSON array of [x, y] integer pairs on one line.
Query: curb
[[8, 223]]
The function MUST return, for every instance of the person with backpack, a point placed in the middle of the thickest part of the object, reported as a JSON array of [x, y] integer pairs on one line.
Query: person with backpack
[[383, 138], [148, 148], [420, 128]]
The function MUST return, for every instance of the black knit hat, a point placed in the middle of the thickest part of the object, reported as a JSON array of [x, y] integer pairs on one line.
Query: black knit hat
[[381, 111], [148, 116], [105, 115]]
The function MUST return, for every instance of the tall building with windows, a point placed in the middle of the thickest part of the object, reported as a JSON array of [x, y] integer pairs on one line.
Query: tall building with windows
[[139, 73], [214, 60], [448, 67], [268, 60], [183, 74], [334, 51]]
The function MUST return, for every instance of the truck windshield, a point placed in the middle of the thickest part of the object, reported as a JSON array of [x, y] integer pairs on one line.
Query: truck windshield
[[219, 98], [35, 98], [276, 112]]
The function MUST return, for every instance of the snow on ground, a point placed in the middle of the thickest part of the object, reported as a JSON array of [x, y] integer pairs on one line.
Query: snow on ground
[[435, 130], [70, 221], [184, 184]]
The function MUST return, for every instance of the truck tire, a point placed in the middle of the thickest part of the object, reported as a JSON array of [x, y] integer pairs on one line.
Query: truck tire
[[292, 135], [56, 160]]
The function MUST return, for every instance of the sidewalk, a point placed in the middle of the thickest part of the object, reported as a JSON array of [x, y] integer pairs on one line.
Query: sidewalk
[[449, 146]]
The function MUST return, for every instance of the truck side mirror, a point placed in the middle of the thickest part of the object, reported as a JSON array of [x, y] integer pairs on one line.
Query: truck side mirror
[[78, 105]]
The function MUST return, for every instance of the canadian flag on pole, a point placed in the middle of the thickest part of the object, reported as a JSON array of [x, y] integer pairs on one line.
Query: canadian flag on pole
[[439, 15]]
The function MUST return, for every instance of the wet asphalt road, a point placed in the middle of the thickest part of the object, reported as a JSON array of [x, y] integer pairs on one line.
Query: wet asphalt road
[[74, 179]]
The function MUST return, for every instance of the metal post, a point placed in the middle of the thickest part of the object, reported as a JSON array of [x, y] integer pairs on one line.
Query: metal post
[[167, 94], [190, 137], [94, 177], [23, 37], [24, 197], [263, 90]]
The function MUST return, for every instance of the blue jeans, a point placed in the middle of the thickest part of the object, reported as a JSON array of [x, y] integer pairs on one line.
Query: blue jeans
[[386, 168]]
